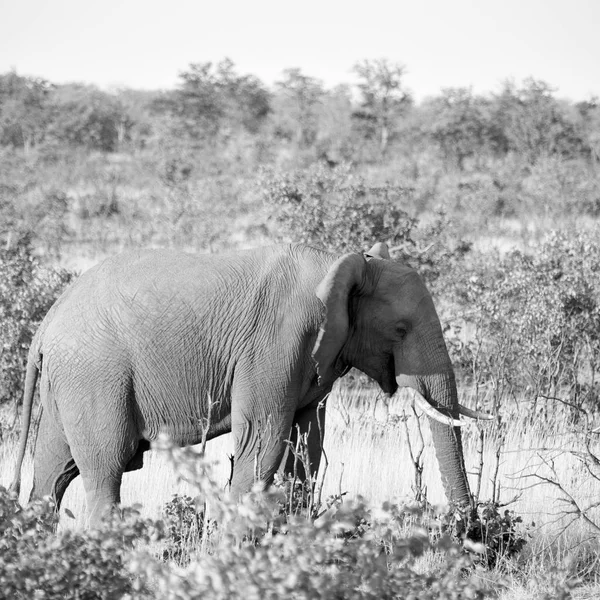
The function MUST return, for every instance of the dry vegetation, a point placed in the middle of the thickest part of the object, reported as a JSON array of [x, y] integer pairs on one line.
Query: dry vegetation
[[368, 456], [495, 200]]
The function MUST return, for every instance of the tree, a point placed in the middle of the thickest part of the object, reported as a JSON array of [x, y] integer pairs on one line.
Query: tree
[[83, 115], [460, 124], [384, 98], [213, 99], [534, 122], [589, 113], [297, 107], [24, 110], [139, 126], [246, 100], [335, 139]]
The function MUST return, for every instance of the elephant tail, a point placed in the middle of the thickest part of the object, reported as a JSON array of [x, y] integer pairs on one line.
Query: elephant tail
[[31, 376]]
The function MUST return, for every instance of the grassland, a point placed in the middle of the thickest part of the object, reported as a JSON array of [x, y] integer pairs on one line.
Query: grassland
[[367, 449], [506, 237]]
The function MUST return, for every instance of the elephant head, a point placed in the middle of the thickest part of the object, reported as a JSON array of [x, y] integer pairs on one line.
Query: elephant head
[[380, 318]]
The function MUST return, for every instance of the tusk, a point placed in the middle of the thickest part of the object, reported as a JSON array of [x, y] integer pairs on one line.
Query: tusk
[[435, 414], [474, 414]]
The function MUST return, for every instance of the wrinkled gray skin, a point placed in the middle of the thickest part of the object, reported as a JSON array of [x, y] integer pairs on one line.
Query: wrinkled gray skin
[[159, 341]]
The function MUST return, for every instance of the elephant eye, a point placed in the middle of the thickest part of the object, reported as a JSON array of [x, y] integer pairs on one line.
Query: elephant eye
[[401, 330]]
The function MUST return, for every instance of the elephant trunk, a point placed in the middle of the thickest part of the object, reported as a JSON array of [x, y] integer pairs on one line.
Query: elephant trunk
[[439, 390]]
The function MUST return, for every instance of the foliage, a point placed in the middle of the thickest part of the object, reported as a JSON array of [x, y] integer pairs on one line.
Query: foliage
[[535, 124], [212, 99], [351, 551], [537, 322], [501, 534], [33, 111], [36, 562], [383, 98], [214, 103], [589, 111], [87, 117], [23, 110], [297, 103], [27, 291], [335, 210], [184, 525], [38, 220], [461, 125]]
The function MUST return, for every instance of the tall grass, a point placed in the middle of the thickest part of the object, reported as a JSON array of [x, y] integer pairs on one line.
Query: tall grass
[[367, 453]]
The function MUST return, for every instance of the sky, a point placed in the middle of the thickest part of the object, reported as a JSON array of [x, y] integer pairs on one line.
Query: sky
[[442, 43]]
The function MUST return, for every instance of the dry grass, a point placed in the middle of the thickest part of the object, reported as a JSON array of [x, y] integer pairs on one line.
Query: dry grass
[[368, 454]]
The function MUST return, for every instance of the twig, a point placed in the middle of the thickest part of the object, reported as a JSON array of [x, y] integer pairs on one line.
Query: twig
[[576, 510], [495, 482], [481, 463], [417, 459], [321, 406]]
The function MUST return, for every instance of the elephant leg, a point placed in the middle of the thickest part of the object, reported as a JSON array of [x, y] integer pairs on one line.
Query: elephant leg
[[103, 493], [102, 460], [102, 476], [54, 467], [310, 421], [259, 440], [99, 424]]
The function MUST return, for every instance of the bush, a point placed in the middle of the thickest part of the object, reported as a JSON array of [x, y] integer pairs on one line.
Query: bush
[[184, 526], [37, 563], [27, 291], [536, 320], [252, 549], [333, 209], [350, 551], [502, 535]]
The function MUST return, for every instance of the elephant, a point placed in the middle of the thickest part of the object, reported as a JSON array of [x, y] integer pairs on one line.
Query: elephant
[[195, 346]]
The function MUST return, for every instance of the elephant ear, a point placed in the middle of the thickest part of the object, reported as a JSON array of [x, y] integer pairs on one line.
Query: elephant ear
[[334, 291]]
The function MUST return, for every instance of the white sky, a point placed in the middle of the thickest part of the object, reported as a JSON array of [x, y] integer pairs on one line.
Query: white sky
[[442, 43]]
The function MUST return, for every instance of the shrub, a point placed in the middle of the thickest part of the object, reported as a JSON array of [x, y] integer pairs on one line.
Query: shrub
[[252, 549], [536, 320], [333, 209], [501, 534], [37, 563], [27, 291], [184, 526], [350, 551]]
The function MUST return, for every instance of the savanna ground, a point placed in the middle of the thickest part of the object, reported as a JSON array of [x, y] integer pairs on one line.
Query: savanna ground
[[494, 200]]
